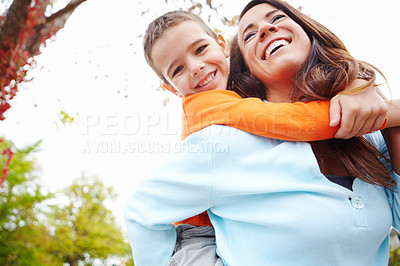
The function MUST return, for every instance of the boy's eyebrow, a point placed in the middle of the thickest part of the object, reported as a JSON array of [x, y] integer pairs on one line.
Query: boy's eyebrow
[[266, 16], [171, 65], [190, 47]]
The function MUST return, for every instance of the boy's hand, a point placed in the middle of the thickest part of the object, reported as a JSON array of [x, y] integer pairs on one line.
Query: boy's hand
[[358, 113]]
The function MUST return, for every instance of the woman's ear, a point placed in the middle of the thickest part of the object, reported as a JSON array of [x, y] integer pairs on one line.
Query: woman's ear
[[170, 88], [223, 44]]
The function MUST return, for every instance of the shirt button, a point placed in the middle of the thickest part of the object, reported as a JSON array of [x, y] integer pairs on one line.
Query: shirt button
[[357, 202]]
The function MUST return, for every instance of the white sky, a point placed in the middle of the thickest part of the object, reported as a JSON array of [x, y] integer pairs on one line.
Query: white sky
[[95, 71]]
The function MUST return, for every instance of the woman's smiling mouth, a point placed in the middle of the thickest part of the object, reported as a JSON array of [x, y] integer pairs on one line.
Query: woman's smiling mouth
[[273, 47]]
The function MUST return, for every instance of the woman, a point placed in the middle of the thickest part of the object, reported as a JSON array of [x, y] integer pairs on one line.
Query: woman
[[285, 56], [294, 58], [268, 200]]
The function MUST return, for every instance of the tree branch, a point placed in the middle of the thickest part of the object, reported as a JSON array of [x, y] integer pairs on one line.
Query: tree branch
[[53, 22], [13, 22], [65, 13]]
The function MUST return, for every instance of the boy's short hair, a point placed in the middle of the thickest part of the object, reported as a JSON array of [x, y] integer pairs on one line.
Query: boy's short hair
[[164, 22]]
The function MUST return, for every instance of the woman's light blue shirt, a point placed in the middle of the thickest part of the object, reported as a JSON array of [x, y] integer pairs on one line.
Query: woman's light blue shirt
[[268, 201]]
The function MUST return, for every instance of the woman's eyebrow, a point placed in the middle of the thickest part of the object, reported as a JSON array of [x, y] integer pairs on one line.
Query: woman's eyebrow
[[266, 16]]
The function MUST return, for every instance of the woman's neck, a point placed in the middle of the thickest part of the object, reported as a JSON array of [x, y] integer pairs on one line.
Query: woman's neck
[[278, 91], [278, 95]]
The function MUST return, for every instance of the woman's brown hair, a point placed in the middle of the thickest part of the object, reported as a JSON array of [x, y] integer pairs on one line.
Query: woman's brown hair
[[328, 71]]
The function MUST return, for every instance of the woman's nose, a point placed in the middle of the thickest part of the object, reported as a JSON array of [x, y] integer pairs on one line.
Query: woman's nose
[[265, 30]]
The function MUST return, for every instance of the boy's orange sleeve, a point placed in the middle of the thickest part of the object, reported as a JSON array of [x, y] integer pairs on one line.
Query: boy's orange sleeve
[[287, 121]]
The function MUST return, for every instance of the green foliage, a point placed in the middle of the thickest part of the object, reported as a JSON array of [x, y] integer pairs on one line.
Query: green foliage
[[394, 258], [34, 233], [21, 197], [84, 229], [65, 118]]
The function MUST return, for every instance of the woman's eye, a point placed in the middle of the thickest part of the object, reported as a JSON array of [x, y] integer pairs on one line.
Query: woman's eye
[[177, 70], [248, 36], [277, 17], [200, 49]]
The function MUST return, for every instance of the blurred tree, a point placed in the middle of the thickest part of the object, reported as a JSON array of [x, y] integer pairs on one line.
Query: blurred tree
[[207, 9], [214, 6], [6, 155], [24, 27], [84, 229], [31, 233], [22, 233]]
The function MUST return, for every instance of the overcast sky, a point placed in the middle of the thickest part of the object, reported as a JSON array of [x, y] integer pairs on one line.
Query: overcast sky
[[95, 71]]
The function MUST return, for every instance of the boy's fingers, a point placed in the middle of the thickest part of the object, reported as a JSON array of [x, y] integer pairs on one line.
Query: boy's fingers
[[374, 121], [356, 126], [366, 126], [374, 127], [346, 126], [335, 111], [379, 122]]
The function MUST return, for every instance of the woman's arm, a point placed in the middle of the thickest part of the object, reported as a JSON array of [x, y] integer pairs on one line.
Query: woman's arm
[[393, 113], [392, 138], [389, 146]]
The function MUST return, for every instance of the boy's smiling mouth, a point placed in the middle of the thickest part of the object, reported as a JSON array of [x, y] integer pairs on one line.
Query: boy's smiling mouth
[[206, 80], [273, 47]]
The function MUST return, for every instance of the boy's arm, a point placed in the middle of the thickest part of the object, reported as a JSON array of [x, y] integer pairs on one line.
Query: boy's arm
[[288, 121], [176, 190], [358, 111]]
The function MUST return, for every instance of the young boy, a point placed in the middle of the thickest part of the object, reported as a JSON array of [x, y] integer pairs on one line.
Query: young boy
[[191, 61]]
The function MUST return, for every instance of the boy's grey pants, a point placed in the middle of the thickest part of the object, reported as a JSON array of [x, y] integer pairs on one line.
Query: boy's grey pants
[[195, 246]]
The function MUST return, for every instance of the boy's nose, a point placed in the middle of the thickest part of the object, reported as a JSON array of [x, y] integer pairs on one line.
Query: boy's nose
[[197, 68], [265, 30]]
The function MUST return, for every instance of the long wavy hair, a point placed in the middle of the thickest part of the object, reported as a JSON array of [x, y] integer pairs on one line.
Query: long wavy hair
[[328, 71]]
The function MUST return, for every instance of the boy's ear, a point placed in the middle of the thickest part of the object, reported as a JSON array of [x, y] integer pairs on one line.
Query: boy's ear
[[223, 44], [170, 88]]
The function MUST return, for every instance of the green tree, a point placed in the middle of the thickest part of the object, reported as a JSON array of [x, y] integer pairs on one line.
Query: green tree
[[22, 233], [83, 228]]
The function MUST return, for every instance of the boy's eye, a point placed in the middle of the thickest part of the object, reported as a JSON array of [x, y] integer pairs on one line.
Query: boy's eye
[[200, 49], [248, 36], [277, 17], [177, 70]]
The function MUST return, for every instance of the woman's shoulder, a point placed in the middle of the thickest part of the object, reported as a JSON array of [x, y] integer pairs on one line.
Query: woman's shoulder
[[231, 137], [375, 138], [215, 132]]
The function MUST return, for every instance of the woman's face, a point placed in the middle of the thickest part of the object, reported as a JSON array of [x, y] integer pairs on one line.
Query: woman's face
[[273, 45]]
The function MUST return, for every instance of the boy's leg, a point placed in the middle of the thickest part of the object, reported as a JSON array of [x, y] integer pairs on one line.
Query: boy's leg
[[195, 246]]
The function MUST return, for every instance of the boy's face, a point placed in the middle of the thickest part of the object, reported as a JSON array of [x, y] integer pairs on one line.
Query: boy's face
[[191, 60]]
